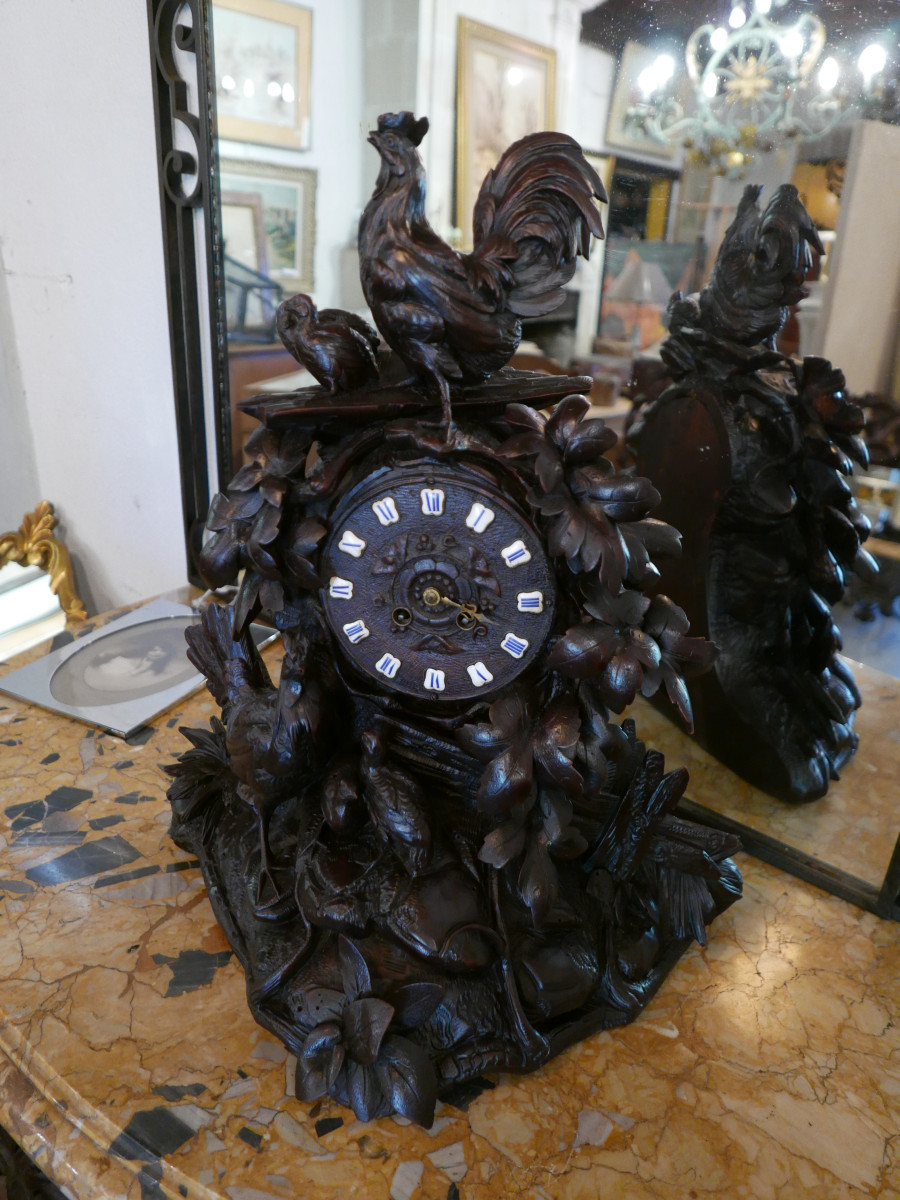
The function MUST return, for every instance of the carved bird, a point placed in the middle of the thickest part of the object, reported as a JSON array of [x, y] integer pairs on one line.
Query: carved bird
[[452, 316], [338, 348], [760, 267], [269, 732], [395, 803]]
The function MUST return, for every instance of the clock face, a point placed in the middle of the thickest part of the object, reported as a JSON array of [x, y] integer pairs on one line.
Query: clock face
[[435, 585]]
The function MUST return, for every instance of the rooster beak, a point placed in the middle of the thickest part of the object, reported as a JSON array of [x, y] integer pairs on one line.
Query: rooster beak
[[374, 140]]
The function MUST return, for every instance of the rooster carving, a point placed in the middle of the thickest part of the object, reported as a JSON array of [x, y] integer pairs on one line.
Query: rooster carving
[[752, 452], [452, 316]]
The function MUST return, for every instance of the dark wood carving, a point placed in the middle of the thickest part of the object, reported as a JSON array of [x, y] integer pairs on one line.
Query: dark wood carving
[[432, 848], [451, 316], [752, 452]]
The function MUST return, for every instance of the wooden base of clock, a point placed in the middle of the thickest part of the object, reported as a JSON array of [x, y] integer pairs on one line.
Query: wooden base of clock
[[432, 849]]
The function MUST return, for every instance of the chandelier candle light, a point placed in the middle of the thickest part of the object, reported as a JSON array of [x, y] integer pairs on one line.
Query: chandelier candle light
[[753, 84]]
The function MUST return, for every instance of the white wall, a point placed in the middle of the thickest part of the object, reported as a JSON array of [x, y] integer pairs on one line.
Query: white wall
[[19, 490], [81, 243], [337, 129], [858, 329]]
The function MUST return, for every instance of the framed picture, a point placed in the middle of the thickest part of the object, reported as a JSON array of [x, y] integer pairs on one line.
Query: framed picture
[[619, 130], [243, 229], [262, 64], [505, 88], [121, 675], [285, 198]]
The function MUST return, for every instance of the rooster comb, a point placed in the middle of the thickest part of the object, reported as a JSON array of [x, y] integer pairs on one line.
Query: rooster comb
[[405, 124]]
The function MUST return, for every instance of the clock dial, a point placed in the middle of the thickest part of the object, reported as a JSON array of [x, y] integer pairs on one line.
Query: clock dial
[[436, 586]]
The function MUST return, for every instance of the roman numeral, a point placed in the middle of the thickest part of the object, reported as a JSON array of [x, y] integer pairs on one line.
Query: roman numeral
[[530, 601], [479, 518], [432, 501], [386, 510], [513, 645], [516, 554], [479, 674], [340, 589], [388, 665], [352, 543], [356, 631], [434, 680]]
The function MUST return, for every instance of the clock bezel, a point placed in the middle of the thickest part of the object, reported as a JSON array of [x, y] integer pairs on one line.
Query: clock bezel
[[485, 486]]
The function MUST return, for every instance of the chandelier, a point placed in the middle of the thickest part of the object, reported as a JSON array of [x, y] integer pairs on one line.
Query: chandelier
[[753, 83]]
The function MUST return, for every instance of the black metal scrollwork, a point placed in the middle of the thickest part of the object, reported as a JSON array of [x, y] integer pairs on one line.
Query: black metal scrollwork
[[190, 203]]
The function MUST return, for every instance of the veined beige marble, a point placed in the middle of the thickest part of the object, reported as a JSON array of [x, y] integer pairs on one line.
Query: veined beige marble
[[767, 1066], [854, 827]]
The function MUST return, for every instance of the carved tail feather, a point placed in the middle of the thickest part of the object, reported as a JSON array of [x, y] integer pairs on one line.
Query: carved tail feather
[[535, 213], [231, 665], [760, 267]]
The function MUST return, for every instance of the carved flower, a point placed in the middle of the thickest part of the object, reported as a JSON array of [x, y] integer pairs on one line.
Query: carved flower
[[351, 1052]]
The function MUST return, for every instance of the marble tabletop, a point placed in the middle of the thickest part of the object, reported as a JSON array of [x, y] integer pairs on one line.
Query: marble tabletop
[[767, 1066]]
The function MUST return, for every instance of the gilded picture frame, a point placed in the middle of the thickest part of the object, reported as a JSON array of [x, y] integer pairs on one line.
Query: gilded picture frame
[[506, 88], [263, 56]]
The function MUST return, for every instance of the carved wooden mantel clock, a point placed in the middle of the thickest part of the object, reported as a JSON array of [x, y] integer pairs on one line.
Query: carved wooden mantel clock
[[431, 847]]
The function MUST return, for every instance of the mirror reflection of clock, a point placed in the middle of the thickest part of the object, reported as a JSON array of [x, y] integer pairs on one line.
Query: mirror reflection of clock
[[436, 584]]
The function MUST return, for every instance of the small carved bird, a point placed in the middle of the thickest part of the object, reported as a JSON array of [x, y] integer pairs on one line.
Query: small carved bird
[[338, 348], [395, 804], [457, 316], [269, 732]]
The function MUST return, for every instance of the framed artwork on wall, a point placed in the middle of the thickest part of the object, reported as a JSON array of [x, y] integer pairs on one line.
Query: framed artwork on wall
[[285, 198], [506, 87], [243, 229], [619, 130], [263, 54]]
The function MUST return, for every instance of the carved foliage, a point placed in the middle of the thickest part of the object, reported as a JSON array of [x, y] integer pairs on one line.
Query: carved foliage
[[492, 869], [354, 1049]]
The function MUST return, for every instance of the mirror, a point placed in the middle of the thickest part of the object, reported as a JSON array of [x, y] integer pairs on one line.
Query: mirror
[[681, 104], [37, 584]]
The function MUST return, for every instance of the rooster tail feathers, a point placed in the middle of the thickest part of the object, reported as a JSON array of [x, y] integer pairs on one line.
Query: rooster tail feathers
[[760, 267], [536, 211], [226, 661]]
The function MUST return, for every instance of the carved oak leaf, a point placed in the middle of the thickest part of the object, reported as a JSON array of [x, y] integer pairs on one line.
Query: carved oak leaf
[[232, 519], [278, 457], [538, 882], [407, 1080], [298, 544], [249, 530], [588, 504], [680, 656], [519, 745], [612, 649]]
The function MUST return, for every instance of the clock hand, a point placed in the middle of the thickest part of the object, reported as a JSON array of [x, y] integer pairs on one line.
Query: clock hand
[[470, 611]]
